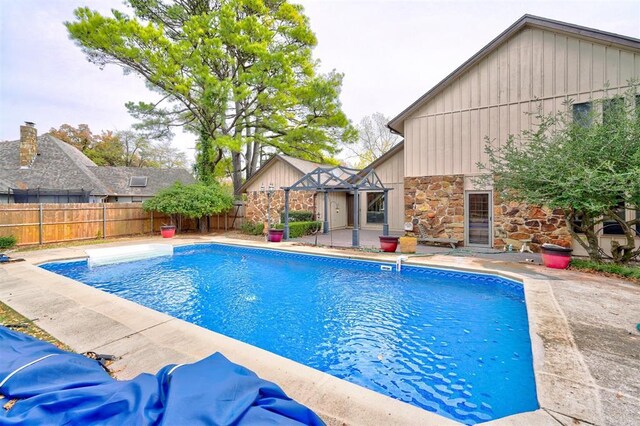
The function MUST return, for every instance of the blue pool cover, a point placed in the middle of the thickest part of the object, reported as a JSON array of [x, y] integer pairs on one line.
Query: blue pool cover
[[52, 386]]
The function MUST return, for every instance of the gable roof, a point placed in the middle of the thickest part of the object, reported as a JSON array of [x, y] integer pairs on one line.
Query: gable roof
[[302, 166], [387, 155], [57, 165], [116, 179], [396, 124]]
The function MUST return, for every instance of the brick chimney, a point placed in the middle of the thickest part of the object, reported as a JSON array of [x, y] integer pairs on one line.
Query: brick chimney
[[28, 144]]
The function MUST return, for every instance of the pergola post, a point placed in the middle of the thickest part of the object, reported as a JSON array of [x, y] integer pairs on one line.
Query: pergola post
[[355, 239], [385, 225], [325, 226], [286, 214]]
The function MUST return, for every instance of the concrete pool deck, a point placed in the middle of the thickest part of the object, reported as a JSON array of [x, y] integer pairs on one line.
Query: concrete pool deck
[[585, 345]]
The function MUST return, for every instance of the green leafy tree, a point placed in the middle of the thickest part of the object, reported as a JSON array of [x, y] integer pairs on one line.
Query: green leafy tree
[[237, 73], [136, 147], [589, 167], [193, 201]]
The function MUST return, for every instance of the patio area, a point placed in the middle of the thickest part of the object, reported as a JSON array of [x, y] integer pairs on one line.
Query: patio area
[[369, 242], [584, 340]]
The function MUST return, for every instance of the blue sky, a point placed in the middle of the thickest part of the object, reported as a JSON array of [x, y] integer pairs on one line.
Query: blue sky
[[391, 52]]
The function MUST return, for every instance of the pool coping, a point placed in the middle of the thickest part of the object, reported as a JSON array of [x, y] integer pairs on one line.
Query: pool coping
[[146, 339]]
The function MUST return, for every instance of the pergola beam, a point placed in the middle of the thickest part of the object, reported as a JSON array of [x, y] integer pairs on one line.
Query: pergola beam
[[326, 180]]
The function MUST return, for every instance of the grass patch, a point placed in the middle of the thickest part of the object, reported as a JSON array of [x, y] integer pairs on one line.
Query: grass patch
[[75, 243], [626, 271], [16, 322]]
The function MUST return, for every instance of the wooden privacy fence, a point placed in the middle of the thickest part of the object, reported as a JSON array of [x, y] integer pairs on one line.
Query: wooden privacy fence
[[53, 223]]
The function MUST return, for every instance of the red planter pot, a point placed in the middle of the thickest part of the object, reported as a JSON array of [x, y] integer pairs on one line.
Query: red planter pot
[[167, 231], [388, 244], [556, 257], [275, 235]]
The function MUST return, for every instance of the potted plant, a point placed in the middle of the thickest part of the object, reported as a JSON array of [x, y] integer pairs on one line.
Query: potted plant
[[555, 256], [275, 235], [388, 243], [408, 243], [167, 231]]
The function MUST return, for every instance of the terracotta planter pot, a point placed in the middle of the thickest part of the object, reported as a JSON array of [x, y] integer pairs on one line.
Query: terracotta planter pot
[[388, 244], [556, 257], [168, 231], [275, 235], [408, 244]]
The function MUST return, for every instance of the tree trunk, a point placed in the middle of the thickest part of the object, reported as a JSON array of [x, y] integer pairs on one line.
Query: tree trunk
[[203, 223], [253, 165], [623, 253], [236, 171], [236, 157], [592, 245]]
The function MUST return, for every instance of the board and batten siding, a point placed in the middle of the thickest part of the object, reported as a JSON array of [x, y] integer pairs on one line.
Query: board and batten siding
[[337, 200], [493, 98], [279, 174], [391, 173]]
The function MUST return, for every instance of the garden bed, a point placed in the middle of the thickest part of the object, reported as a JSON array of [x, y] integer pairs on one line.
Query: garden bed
[[629, 272]]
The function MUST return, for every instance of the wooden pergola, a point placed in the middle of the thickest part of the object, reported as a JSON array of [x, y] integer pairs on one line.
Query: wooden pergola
[[339, 179]]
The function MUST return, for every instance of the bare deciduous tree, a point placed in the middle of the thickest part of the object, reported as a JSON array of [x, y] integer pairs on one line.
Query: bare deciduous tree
[[374, 139]]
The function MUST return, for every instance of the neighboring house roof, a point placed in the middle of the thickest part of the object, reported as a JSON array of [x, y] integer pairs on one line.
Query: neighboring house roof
[[384, 157], [396, 123], [117, 179], [302, 166], [57, 165]]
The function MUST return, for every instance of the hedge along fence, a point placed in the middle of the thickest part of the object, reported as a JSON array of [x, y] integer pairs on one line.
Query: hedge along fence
[[53, 223]]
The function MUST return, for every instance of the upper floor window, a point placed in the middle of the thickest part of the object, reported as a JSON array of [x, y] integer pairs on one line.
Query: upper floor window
[[582, 114]]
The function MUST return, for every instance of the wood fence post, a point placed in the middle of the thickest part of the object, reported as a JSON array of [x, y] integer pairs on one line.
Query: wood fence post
[[151, 213], [104, 221], [40, 224], [226, 222]]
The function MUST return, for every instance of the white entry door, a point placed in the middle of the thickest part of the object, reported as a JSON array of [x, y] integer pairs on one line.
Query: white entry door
[[478, 226]]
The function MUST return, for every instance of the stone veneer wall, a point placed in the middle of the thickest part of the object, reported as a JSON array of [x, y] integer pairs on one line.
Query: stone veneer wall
[[437, 202], [256, 206], [514, 222], [28, 144]]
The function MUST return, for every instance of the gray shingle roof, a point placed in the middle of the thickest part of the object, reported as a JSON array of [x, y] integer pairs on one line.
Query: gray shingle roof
[[116, 179], [303, 166], [59, 165]]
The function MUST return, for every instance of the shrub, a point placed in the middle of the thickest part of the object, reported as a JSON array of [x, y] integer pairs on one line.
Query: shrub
[[7, 242], [627, 271], [252, 228], [298, 216], [298, 229], [194, 201]]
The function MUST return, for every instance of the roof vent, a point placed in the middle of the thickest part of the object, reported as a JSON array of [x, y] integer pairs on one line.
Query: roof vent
[[138, 181]]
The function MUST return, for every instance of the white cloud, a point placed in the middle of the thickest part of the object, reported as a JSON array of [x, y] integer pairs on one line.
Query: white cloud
[[391, 52]]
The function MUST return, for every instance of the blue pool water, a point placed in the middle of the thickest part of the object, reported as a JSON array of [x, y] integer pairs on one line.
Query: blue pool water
[[453, 343]]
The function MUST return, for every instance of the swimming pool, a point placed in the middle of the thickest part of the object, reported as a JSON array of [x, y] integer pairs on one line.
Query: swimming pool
[[450, 342]]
